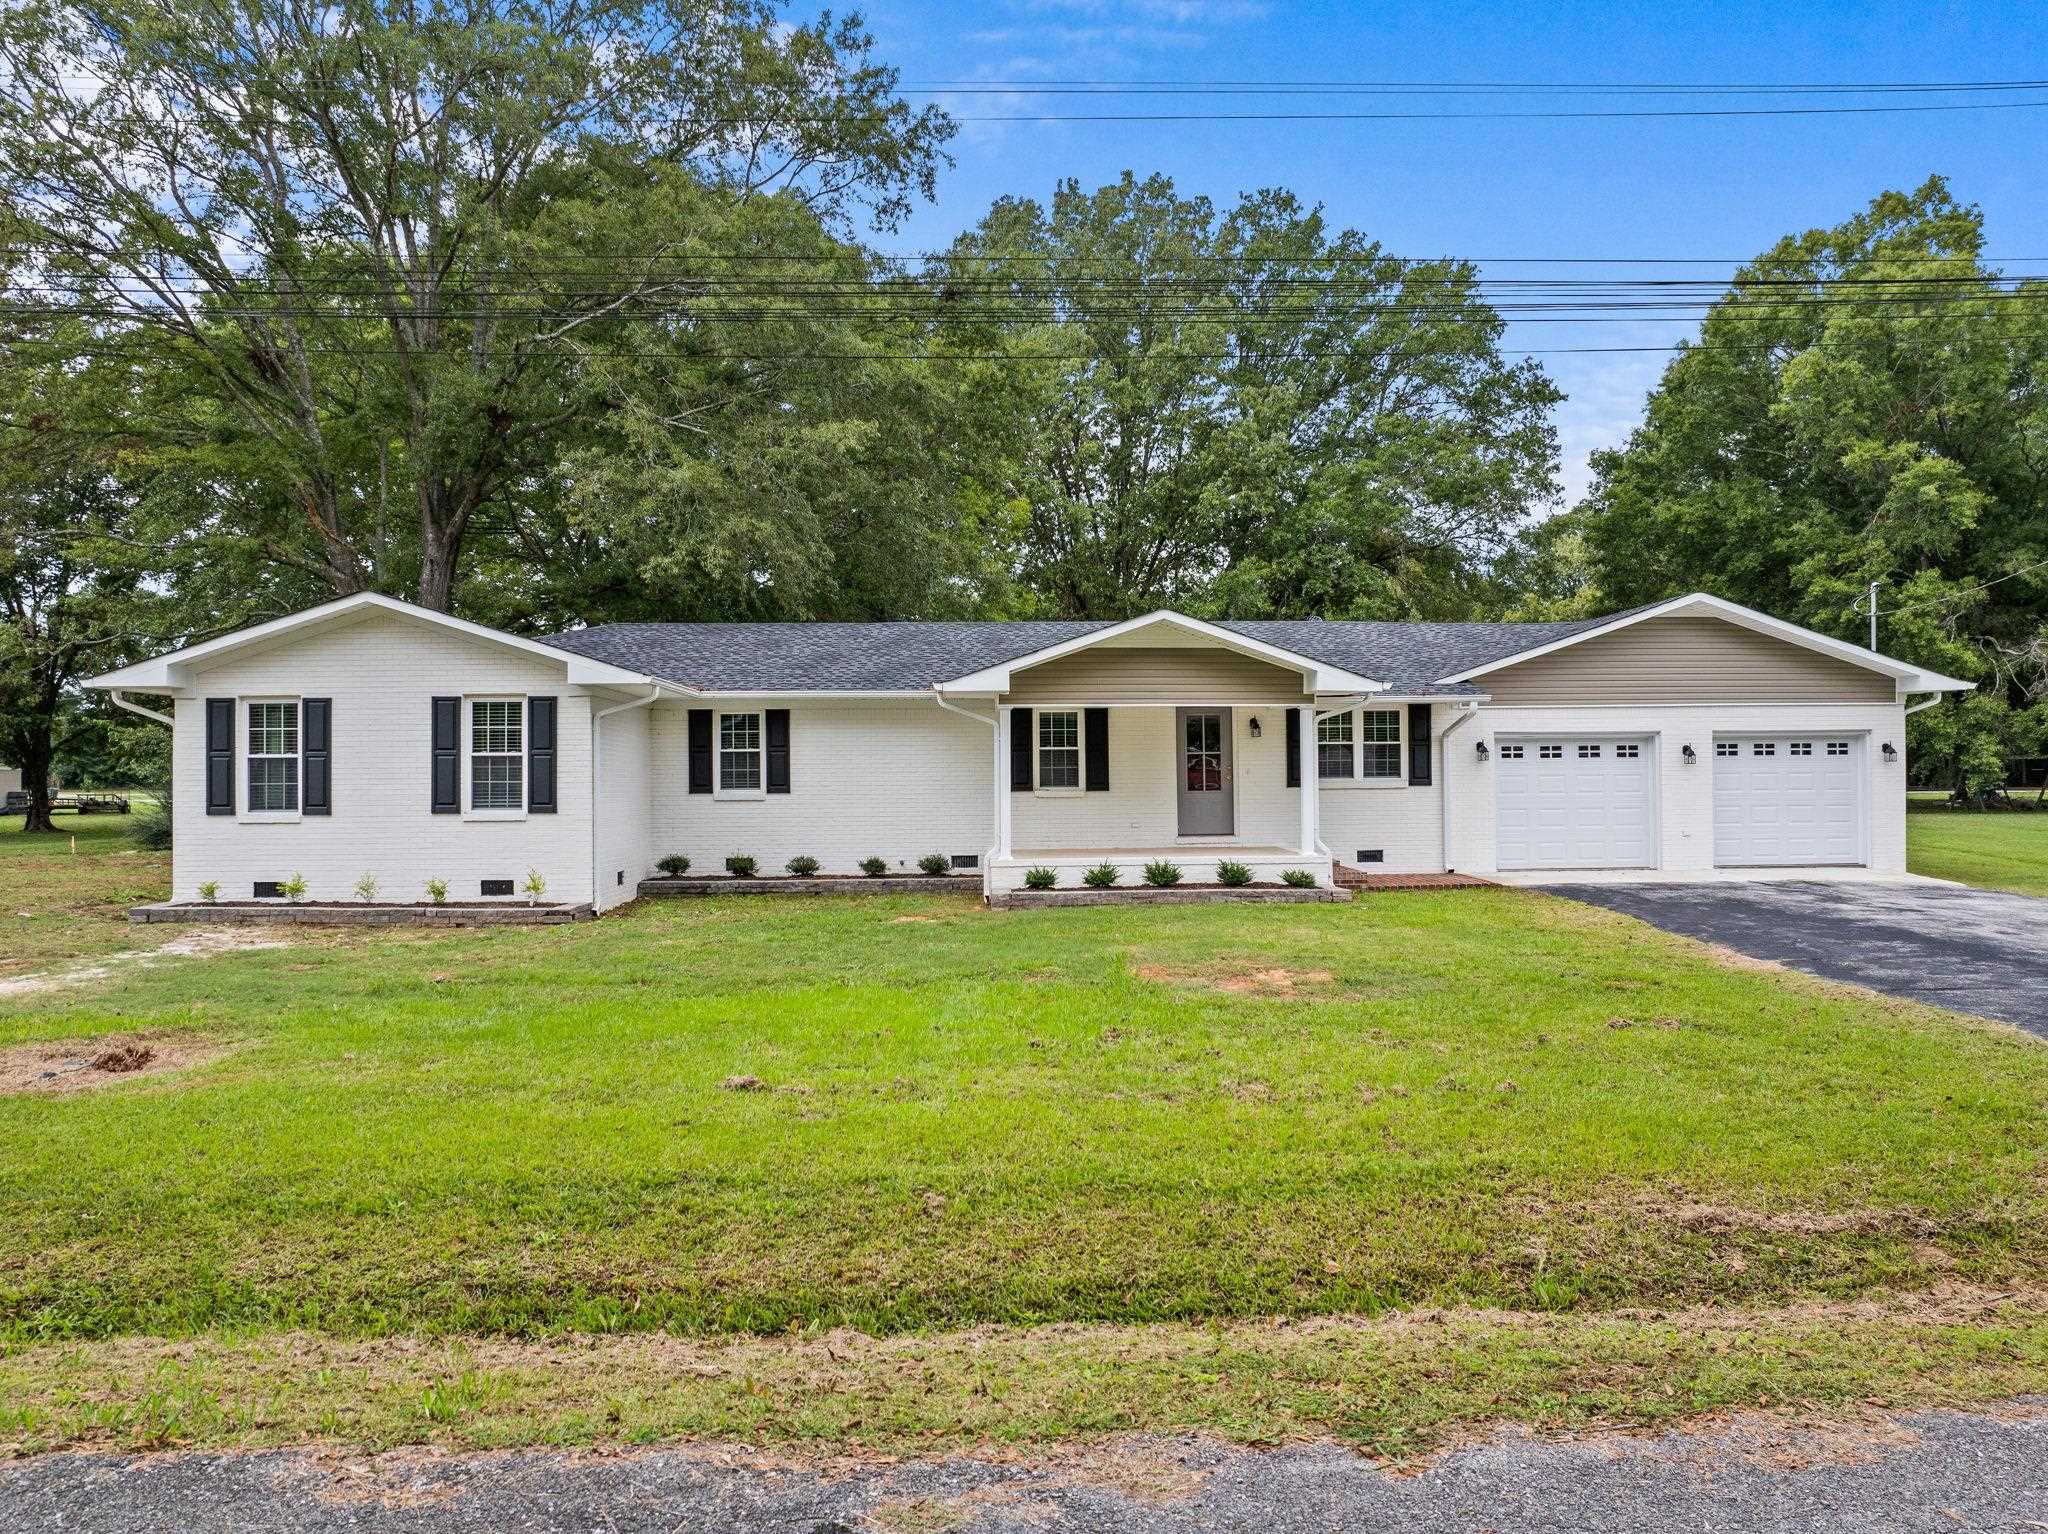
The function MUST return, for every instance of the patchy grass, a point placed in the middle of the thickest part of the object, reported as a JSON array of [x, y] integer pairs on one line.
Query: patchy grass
[[63, 896], [2006, 850], [429, 1142]]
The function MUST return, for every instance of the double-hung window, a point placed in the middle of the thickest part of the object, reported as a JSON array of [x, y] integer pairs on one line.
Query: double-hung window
[[739, 754], [1059, 749], [1361, 746], [273, 758], [497, 754], [1380, 728], [1333, 747]]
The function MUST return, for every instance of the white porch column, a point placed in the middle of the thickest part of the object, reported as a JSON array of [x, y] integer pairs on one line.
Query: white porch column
[[1002, 780], [1308, 782]]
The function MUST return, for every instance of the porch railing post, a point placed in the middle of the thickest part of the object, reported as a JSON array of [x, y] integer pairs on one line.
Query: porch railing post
[[1308, 782]]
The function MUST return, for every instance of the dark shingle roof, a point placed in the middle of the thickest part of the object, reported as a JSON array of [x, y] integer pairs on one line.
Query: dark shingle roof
[[907, 656]]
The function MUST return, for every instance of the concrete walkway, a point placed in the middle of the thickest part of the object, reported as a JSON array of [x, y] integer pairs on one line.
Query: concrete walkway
[[1936, 1471]]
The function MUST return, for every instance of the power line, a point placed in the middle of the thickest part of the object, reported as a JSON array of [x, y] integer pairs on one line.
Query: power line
[[1949, 597], [1549, 115]]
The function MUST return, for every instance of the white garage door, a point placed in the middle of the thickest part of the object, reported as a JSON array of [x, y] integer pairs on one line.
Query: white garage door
[[1574, 802], [1787, 799]]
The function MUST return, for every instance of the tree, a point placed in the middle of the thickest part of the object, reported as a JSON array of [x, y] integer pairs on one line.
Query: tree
[[1867, 402], [391, 237], [1244, 413]]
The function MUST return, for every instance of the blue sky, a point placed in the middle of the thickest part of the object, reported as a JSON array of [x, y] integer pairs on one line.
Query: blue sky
[[1694, 188]]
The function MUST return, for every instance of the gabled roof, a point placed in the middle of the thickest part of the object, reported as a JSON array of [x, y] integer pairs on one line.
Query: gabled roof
[[172, 669], [1913, 678], [1318, 675]]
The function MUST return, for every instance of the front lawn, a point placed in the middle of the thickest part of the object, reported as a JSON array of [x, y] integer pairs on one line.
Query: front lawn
[[736, 1120], [2005, 850]]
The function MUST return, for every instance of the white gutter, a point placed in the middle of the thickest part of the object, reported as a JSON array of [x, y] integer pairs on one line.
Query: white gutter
[[995, 724], [137, 708], [1928, 704], [596, 759], [1444, 735]]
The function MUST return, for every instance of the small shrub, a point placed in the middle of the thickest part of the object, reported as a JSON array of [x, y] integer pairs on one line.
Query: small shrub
[[1101, 876], [740, 866], [803, 865], [535, 886], [366, 888], [210, 891], [675, 865], [293, 888], [935, 863], [437, 891], [874, 868], [1232, 874], [1041, 878], [1298, 878], [1162, 875]]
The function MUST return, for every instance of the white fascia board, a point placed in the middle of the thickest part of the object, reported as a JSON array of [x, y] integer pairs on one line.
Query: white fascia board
[[168, 673], [1316, 676], [1743, 617]]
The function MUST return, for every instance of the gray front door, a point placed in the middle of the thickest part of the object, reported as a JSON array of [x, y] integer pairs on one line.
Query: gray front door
[[1204, 787]]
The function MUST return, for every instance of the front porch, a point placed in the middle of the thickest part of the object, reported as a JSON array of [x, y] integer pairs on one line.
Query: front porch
[[1196, 860]]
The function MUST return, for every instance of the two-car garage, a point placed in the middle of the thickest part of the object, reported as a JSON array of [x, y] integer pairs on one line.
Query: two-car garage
[[1592, 801]]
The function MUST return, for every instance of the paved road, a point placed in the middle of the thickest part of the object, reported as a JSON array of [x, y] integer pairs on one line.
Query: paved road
[[1941, 1471], [1970, 950]]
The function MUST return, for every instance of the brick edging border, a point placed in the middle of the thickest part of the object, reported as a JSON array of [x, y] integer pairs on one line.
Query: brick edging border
[[364, 916], [1019, 900], [887, 884]]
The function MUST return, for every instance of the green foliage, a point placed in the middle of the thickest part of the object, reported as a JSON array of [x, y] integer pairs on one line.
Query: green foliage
[[1806, 449], [1041, 878], [437, 891], [1332, 432], [741, 866], [675, 865], [1101, 876], [1232, 875], [802, 865], [874, 868], [294, 888], [366, 888], [209, 891], [1298, 878], [935, 863], [1162, 874]]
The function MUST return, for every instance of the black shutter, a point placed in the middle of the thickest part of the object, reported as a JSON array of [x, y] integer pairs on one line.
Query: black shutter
[[700, 750], [1095, 748], [778, 750], [540, 756], [1418, 744], [447, 763], [1020, 750], [220, 756], [316, 756], [1294, 748]]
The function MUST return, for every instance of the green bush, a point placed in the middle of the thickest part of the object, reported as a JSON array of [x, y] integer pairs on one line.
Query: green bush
[[1101, 876], [293, 888], [1041, 878], [803, 865], [366, 888], [437, 891], [1232, 874], [740, 866], [874, 868], [675, 865], [1299, 878], [1162, 875], [210, 891], [935, 863]]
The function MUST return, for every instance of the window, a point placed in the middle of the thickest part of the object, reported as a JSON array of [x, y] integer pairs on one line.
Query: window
[[1059, 749], [1588, 753], [739, 754], [497, 754], [1550, 753], [1838, 748], [1333, 746], [1727, 748], [1799, 748], [1763, 748], [1628, 751], [1381, 728], [1511, 753], [273, 758]]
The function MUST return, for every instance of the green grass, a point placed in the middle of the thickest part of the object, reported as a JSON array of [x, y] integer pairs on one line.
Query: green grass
[[2006, 850], [62, 896], [1468, 1099]]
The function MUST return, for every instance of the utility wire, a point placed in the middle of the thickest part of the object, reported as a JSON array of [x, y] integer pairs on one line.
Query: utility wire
[[1950, 597]]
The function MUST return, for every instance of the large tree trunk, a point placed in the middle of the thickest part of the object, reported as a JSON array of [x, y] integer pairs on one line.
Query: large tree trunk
[[37, 747]]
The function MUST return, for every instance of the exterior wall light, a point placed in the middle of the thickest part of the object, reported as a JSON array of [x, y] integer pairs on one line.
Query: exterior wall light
[[1483, 752], [1690, 755], [1890, 752], [1256, 731]]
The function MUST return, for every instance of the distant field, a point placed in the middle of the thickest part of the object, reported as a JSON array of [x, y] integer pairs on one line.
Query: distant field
[[2006, 850]]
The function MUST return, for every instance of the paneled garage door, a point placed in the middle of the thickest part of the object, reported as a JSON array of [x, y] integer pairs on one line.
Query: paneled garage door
[[1581, 801], [1787, 800]]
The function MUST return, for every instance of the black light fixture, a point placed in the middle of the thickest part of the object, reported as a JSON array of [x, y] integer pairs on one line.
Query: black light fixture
[[1483, 752], [1690, 755], [1256, 731], [1890, 752]]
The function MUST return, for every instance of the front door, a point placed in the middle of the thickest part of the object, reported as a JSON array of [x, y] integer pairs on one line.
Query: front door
[[1204, 789]]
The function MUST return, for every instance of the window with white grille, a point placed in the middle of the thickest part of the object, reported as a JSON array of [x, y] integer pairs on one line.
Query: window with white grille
[[273, 758], [497, 754]]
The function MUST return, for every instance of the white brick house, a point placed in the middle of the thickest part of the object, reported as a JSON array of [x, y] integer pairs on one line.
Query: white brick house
[[370, 736]]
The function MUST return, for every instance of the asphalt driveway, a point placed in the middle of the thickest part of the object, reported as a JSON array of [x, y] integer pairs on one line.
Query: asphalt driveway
[[1969, 950]]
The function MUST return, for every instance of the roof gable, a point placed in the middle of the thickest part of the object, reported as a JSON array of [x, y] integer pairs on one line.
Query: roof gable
[[1166, 628]]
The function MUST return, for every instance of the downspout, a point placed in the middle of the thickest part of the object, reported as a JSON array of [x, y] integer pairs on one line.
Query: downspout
[[995, 724], [1444, 738], [596, 761], [137, 708], [1918, 706]]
